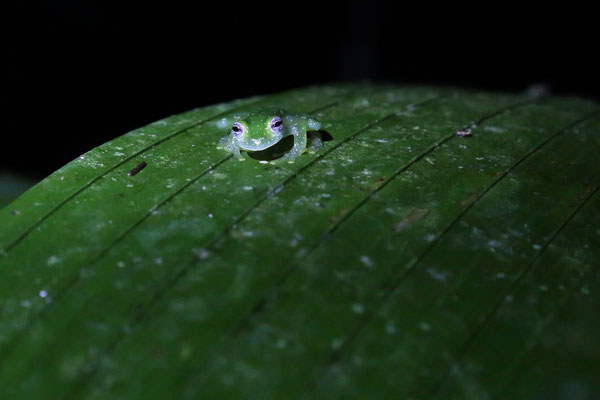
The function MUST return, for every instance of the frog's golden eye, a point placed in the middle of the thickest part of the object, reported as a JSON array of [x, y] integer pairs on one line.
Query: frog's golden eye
[[276, 124], [237, 129]]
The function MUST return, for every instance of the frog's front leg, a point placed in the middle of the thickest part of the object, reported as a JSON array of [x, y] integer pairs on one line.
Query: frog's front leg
[[298, 131], [298, 125], [228, 143], [316, 142]]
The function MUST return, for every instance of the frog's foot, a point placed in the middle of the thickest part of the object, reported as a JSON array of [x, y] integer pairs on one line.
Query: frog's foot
[[239, 155], [316, 142], [225, 142], [299, 146], [235, 153], [295, 152]]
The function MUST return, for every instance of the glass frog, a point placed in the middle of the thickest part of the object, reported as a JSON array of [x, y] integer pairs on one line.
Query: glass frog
[[263, 128]]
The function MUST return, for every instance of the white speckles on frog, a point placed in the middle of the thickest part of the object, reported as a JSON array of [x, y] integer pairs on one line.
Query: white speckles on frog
[[263, 128]]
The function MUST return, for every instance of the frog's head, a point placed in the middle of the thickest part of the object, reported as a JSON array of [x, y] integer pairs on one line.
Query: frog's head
[[259, 131]]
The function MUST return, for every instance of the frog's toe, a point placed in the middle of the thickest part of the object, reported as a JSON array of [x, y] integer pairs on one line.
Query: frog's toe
[[315, 144], [314, 148]]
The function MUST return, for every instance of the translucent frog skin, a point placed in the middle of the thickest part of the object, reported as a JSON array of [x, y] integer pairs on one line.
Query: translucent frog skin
[[261, 129]]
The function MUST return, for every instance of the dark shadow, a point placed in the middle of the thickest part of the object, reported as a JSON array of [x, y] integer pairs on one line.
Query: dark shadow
[[326, 136], [285, 145]]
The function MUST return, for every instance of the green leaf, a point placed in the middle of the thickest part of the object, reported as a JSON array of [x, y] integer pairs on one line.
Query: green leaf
[[400, 261]]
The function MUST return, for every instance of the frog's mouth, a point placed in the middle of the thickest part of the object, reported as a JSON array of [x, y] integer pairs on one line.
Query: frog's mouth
[[251, 144], [260, 144]]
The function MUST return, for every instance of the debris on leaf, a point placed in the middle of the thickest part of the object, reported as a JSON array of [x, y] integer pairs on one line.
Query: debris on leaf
[[465, 133]]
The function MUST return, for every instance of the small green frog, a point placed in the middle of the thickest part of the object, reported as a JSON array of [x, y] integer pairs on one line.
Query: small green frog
[[263, 128]]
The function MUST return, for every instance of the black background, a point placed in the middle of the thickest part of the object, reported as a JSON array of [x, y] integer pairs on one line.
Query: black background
[[76, 73]]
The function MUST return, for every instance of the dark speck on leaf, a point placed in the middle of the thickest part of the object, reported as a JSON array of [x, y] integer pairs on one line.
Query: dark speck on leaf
[[137, 169], [334, 357]]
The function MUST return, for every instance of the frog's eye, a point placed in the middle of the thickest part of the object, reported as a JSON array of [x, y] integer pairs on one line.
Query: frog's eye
[[276, 124], [237, 129]]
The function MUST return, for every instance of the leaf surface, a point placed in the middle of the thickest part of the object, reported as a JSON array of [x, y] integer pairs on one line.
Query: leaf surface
[[399, 260]]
